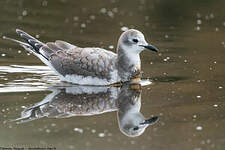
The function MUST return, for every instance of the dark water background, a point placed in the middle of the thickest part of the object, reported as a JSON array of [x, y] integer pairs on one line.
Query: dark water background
[[188, 74]]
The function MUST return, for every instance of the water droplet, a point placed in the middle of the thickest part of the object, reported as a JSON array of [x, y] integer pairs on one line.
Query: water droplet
[[194, 116], [37, 36], [132, 142], [75, 18], [146, 18], [115, 10], [66, 20], [199, 21], [215, 105], [20, 17], [211, 15], [198, 81], [23, 107], [161, 114], [78, 130], [111, 46], [198, 15], [124, 28], [198, 96], [199, 128], [93, 130], [48, 130], [109, 134], [101, 134], [202, 142], [198, 28], [103, 10], [220, 87], [83, 25], [71, 147], [92, 17], [110, 14], [44, 3], [24, 13], [206, 17], [166, 36]]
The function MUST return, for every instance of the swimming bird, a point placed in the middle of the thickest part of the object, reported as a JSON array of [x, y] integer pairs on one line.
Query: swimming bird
[[91, 65]]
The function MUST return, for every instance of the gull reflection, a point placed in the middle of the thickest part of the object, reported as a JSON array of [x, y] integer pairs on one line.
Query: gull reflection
[[66, 102], [131, 121]]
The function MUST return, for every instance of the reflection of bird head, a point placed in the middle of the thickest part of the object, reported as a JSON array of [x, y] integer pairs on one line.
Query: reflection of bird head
[[136, 124], [131, 121]]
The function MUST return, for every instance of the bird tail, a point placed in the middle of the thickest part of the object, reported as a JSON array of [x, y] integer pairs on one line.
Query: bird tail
[[33, 45], [24, 45]]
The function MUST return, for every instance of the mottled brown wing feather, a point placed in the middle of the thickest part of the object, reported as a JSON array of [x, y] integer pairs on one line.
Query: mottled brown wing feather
[[94, 62]]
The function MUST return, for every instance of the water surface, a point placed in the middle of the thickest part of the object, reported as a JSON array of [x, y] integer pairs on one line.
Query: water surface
[[188, 75]]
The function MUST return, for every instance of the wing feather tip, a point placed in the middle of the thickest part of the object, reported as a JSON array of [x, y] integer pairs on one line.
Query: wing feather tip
[[18, 30]]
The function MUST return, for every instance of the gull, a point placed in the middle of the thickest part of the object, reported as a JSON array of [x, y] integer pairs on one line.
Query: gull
[[91, 65]]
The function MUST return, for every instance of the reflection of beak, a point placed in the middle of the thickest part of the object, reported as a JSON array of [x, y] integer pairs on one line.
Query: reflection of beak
[[150, 121], [150, 47]]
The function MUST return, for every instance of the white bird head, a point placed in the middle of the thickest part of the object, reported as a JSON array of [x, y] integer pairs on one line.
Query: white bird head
[[133, 41]]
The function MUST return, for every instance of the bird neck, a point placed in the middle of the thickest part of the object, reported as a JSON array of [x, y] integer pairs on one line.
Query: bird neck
[[128, 64]]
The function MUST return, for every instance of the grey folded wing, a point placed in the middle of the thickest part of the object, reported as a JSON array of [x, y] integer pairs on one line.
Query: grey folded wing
[[73, 60], [52, 47]]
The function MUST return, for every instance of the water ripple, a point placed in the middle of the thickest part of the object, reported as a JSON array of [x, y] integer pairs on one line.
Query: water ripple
[[41, 78]]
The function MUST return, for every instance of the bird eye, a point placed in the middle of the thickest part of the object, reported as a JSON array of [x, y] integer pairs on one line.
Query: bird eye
[[135, 128], [135, 40]]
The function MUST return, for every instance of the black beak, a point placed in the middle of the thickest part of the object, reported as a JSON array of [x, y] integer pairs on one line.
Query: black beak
[[150, 47], [150, 121]]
